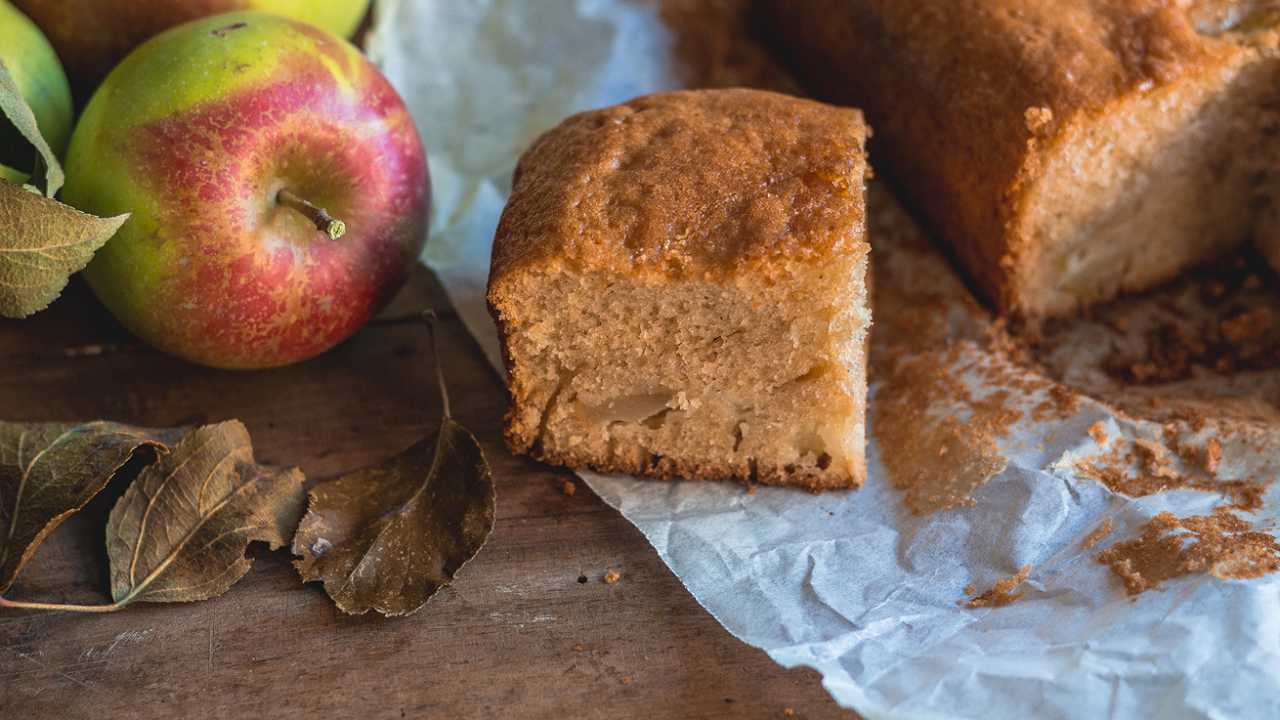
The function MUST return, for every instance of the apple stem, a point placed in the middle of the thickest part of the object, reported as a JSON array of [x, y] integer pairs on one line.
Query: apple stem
[[325, 222]]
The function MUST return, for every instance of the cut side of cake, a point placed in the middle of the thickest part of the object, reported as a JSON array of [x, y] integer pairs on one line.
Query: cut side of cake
[[1066, 150], [680, 287]]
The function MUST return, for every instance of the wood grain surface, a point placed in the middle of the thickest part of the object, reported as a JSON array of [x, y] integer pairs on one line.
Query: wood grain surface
[[528, 630]]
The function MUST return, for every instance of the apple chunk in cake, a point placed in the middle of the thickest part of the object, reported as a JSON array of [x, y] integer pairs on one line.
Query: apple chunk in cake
[[680, 287]]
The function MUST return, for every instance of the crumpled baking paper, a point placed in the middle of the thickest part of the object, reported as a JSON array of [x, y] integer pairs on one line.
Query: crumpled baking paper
[[851, 584]]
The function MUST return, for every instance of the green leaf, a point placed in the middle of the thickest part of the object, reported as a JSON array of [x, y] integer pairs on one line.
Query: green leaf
[[180, 532], [387, 537], [42, 242], [48, 471], [48, 173]]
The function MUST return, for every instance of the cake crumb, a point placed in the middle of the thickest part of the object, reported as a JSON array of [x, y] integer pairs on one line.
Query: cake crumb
[[789, 712], [1038, 119], [1249, 325], [1155, 459], [1212, 455], [1003, 592], [612, 576], [1221, 544], [579, 647], [568, 488], [1246, 495], [1065, 400], [1098, 431], [627, 680], [1095, 535]]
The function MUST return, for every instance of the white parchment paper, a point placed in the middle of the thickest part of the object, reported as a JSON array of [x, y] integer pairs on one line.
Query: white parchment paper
[[851, 584]]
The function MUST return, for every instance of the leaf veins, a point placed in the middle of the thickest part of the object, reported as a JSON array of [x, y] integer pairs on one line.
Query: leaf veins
[[48, 471], [180, 532], [42, 243]]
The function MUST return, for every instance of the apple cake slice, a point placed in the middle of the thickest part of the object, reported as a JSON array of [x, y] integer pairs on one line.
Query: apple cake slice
[[1066, 150], [680, 287]]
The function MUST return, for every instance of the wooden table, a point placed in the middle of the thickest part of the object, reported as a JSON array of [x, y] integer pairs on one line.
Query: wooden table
[[527, 630]]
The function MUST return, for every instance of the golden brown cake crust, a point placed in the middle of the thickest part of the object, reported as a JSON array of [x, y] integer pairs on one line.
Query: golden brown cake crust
[[686, 184], [727, 187], [971, 95]]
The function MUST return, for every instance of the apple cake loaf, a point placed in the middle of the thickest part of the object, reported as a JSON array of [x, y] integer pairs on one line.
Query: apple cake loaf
[[680, 287], [1066, 150]]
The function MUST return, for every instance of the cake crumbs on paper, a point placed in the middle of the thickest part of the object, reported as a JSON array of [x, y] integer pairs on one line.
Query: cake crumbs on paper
[[568, 487], [1248, 325], [1155, 459], [1147, 468], [1098, 431], [788, 712], [1097, 534], [627, 680], [712, 46], [954, 380], [1221, 544], [940, 439], [1066, 400], [579, 647], [1003, 593], [1212, 455], [611, 576]]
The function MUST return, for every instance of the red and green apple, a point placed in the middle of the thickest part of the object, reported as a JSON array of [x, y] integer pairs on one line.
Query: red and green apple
[[277, 184], [91, 36]]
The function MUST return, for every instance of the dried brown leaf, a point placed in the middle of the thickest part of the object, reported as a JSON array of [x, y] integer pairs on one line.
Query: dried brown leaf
[[48, 471], [180, 532], [387, 537]]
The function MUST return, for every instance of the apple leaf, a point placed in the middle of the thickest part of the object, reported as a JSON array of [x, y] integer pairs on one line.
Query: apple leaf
[[48, 173], [48, 471], [42, 242], [387, 537], [180, 531]]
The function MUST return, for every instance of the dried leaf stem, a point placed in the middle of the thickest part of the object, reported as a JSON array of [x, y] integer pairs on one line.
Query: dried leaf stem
[[429, 317]]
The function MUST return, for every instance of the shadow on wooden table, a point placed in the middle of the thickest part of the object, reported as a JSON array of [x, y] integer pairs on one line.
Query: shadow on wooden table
[[519, 634]]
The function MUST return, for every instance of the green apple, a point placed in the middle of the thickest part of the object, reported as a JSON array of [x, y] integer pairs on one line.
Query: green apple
[[224, 137], [35, 69], [91, 36]]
